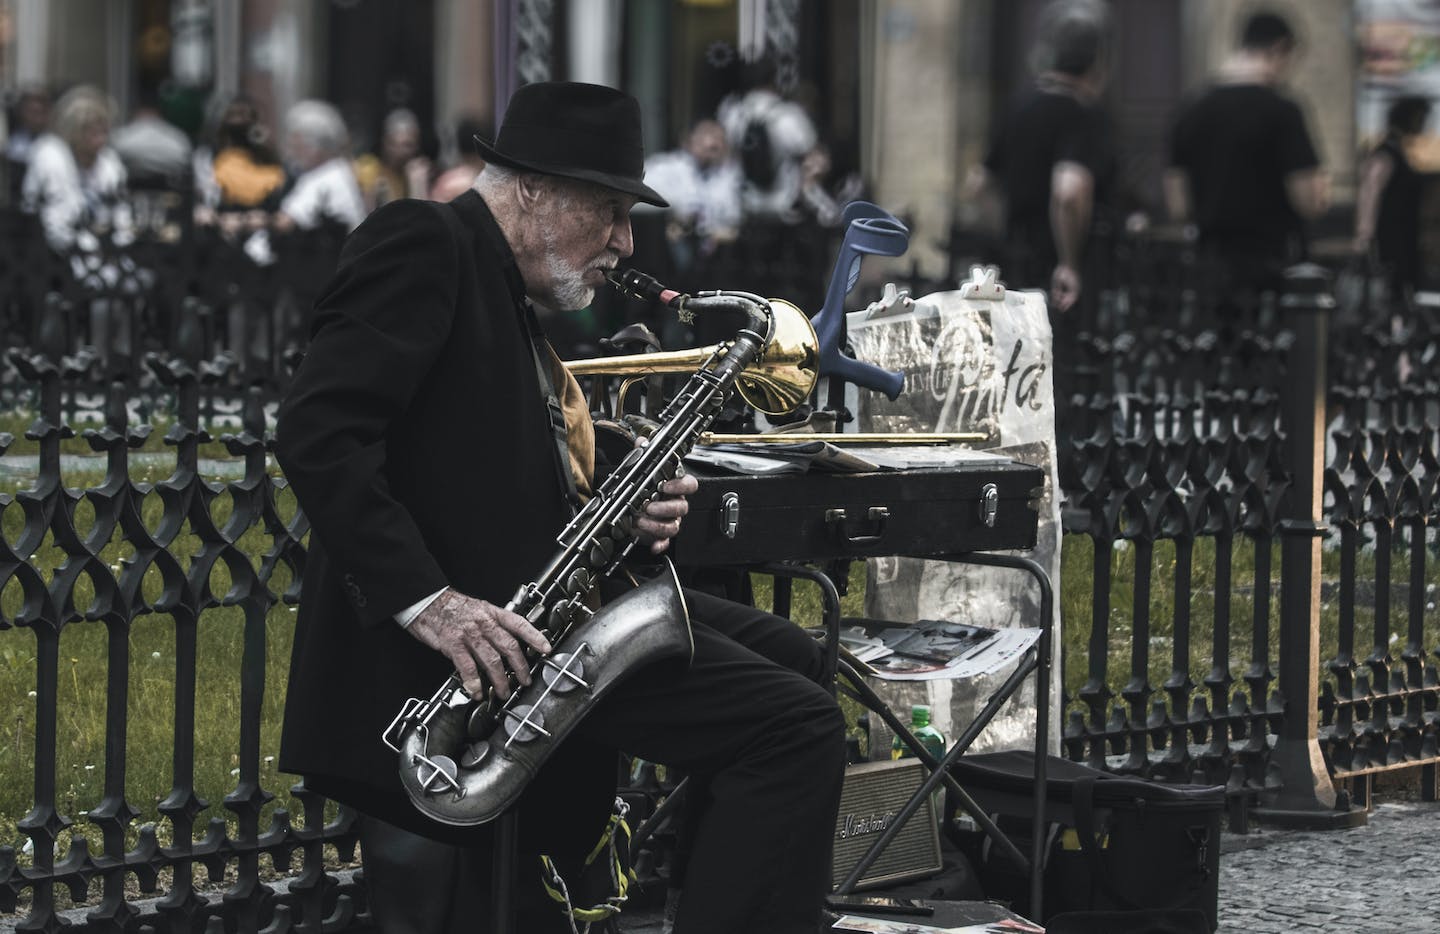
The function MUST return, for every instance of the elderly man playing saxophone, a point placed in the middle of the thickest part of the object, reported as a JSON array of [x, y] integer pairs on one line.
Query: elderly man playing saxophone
[[420, 444]]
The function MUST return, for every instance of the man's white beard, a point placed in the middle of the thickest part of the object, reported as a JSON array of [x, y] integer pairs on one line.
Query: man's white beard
[[567, 282]]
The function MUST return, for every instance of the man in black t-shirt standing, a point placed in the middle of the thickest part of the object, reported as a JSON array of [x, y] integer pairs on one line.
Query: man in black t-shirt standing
[[1053, 154], [1243, 168]]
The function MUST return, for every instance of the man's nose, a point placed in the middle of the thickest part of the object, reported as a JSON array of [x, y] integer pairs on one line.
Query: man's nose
[[621, 240]]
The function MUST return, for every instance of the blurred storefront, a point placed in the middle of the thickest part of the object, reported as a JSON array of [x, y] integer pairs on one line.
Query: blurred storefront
[[902, 91]]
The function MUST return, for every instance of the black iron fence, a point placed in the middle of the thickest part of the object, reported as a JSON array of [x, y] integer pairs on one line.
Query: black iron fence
[[94, 556], [1220, 627], [1209, 453]]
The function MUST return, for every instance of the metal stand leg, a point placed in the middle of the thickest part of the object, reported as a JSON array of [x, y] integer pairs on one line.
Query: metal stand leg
[[1037, 659], [657, 817], [829, 607], [1045, 651]]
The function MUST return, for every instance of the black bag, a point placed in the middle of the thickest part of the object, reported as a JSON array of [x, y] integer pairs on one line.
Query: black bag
[[757, 153], [1112, 842]]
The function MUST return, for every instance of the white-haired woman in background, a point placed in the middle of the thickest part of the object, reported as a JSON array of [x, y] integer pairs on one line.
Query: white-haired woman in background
[[316, 148], [76, 182], [76, 186]]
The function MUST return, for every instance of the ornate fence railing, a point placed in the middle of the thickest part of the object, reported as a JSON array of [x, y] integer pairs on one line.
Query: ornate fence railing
[[210, 554], [1179, 477], [1177, 472]]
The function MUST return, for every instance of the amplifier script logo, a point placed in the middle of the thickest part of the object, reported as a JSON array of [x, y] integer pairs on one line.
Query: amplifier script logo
[[858, 825]]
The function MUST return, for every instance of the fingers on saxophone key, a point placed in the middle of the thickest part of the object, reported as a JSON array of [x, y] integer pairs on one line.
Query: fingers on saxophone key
[[511, 656], [661, 511], [521, 628], [678, 487], [469, 674]]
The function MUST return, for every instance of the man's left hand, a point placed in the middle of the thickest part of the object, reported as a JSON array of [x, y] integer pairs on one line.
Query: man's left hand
[[659, 521]]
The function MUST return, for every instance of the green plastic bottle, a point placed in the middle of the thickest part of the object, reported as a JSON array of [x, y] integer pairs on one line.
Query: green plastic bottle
[[934, 742], [933, 739]]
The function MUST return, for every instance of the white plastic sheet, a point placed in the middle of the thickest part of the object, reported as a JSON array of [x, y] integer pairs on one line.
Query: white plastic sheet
[[970, 364]]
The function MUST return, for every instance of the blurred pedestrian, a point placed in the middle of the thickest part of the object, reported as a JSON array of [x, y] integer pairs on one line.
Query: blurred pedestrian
[[156, 153], [1052, 162], [316, 150], [457, 179], [822, 199], [239, 180], [1387, 208], [1243, 168], [398, 169], [702, 182], [75, 182], [690, 244], [770, 135], [29, 119]]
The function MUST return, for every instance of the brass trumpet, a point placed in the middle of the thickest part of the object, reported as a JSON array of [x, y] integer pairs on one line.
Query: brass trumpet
[[782, 379]]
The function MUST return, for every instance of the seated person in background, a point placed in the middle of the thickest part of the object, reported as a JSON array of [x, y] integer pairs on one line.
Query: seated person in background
[[238, 176], [398, 170], [75, 181], [820, 202], [316, 146], [702, 183], [770, 135], [456, 180], [156, 153]]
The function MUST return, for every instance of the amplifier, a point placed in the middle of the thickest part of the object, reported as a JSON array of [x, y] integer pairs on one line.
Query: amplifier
[[872, 797]]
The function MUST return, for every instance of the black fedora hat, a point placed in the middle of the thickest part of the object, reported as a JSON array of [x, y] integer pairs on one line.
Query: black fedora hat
[[584, 131]]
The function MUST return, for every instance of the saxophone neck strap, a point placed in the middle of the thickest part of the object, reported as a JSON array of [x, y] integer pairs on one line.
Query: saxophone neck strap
[[559, 431]]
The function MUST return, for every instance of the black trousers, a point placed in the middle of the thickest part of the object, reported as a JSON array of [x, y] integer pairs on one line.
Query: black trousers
[[750, 721]]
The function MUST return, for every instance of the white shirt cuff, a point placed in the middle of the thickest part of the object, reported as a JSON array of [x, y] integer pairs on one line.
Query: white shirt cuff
[[407, 616]]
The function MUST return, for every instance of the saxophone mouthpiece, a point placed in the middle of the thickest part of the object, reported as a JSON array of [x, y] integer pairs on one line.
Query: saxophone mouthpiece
[[637, 284]]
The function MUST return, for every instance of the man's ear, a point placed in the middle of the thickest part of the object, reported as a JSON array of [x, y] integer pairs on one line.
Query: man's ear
[[530, 190]]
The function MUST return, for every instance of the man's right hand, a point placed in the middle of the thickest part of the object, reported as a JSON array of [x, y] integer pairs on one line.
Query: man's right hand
[[480, 639], [1064, 287]]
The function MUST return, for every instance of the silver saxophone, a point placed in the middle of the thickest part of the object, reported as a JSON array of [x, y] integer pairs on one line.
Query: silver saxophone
[[464, 759]]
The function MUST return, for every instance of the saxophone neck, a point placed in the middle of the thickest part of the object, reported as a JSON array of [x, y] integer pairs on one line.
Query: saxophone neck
[[759, 317], [636, 284]]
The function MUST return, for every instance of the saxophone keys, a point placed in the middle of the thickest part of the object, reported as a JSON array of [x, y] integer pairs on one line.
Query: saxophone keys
[[578, 581], [474, 754], [601, 551], [563, 672], [481, 722], [523, 724], [440, 775]]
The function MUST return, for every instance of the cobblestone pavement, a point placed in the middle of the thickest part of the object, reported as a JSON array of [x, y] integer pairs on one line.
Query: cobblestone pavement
[[1376, 879]]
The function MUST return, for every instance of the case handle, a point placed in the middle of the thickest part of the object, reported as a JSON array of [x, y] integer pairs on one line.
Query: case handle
[[836, 518]]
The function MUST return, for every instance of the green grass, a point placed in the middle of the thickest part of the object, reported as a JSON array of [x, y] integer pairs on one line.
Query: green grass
[[150, 641], [16, 424], [84, 647], [1075, 594]]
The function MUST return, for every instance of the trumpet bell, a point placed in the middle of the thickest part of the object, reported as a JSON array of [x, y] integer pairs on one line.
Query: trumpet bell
[[783, 378]]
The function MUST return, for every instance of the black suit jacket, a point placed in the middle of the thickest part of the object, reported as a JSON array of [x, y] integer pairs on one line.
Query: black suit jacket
[[417, 442]]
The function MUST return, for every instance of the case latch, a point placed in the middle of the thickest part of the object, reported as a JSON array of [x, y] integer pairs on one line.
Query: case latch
[[989, 504], [730, 513]]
